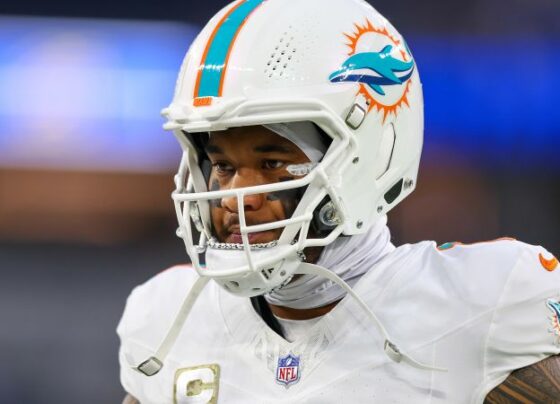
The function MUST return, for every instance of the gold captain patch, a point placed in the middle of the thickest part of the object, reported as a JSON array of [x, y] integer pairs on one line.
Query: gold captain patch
[[197, 384]]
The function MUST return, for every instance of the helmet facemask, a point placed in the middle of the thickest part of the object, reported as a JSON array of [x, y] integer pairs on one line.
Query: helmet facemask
[[243, 262]]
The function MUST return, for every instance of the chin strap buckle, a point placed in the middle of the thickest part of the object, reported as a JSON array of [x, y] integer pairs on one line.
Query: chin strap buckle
[[392, 351], [154, 364], [150, 367]]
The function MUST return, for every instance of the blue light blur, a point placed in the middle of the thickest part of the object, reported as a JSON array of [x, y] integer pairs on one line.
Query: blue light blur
[[85, 94], [492, 99]]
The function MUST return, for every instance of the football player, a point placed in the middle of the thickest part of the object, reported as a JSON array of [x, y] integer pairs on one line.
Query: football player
[[301, 124]]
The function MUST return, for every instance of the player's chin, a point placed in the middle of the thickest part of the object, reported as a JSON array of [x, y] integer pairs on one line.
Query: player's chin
[[261, 237]]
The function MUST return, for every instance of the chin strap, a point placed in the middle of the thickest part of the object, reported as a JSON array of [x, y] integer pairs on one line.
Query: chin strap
[[391, 349], [153, 365]]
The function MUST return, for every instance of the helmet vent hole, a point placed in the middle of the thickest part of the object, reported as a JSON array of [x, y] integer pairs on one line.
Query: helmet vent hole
[[280, 66], [291, 46]]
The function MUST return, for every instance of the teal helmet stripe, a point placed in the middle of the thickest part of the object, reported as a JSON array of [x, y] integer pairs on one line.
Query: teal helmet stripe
[[213, 67]]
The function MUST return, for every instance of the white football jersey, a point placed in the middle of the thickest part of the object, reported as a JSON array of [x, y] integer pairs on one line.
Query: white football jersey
[[480, 311]]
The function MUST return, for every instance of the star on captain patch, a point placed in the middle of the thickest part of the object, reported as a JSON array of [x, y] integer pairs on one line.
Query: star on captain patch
[[554, 306]]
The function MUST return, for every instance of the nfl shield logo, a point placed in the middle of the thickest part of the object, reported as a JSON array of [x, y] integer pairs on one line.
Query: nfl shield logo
[[288, 372]]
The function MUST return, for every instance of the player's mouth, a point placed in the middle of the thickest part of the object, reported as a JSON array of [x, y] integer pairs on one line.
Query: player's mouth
[[234, 236]]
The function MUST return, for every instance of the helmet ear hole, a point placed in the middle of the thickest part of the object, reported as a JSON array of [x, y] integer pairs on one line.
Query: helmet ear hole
[[325, 219], [385, 154]]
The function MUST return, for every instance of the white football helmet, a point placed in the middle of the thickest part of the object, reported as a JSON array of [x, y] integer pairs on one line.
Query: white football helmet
[[336, 63]]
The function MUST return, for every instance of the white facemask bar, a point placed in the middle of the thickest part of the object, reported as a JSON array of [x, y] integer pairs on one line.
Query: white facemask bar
[[298, 222], [317, 180]]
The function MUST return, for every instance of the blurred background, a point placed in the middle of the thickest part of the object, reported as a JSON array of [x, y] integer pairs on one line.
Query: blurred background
[[86, 170]]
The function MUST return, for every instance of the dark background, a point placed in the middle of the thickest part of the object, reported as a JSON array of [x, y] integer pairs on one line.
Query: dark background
[[74, 242]]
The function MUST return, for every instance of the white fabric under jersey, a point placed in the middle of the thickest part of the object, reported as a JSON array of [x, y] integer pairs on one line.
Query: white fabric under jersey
[[295, 329], [479, 311]]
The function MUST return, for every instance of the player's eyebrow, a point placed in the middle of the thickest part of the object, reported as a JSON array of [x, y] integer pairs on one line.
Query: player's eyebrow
[[213, 149], [272, 148]]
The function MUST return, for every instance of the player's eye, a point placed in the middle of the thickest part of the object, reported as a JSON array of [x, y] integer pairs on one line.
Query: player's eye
[[223, 168], [272, 164]]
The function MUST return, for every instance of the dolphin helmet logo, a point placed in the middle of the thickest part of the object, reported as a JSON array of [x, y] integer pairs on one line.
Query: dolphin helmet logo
[[382, 65], [375, 69]]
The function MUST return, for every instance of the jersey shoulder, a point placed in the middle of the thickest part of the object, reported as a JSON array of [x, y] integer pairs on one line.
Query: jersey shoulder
[[516, 286], [501, 253], [498, 263], [156, 301], [480, 273]]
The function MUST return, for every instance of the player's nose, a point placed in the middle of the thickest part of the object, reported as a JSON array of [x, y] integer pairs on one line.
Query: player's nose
[[245, 178]]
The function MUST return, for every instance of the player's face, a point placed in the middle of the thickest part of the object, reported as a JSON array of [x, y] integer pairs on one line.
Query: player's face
[[244, 157]]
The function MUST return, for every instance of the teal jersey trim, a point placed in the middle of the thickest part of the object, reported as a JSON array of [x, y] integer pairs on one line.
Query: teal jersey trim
[[213, 66], [447, 246]]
